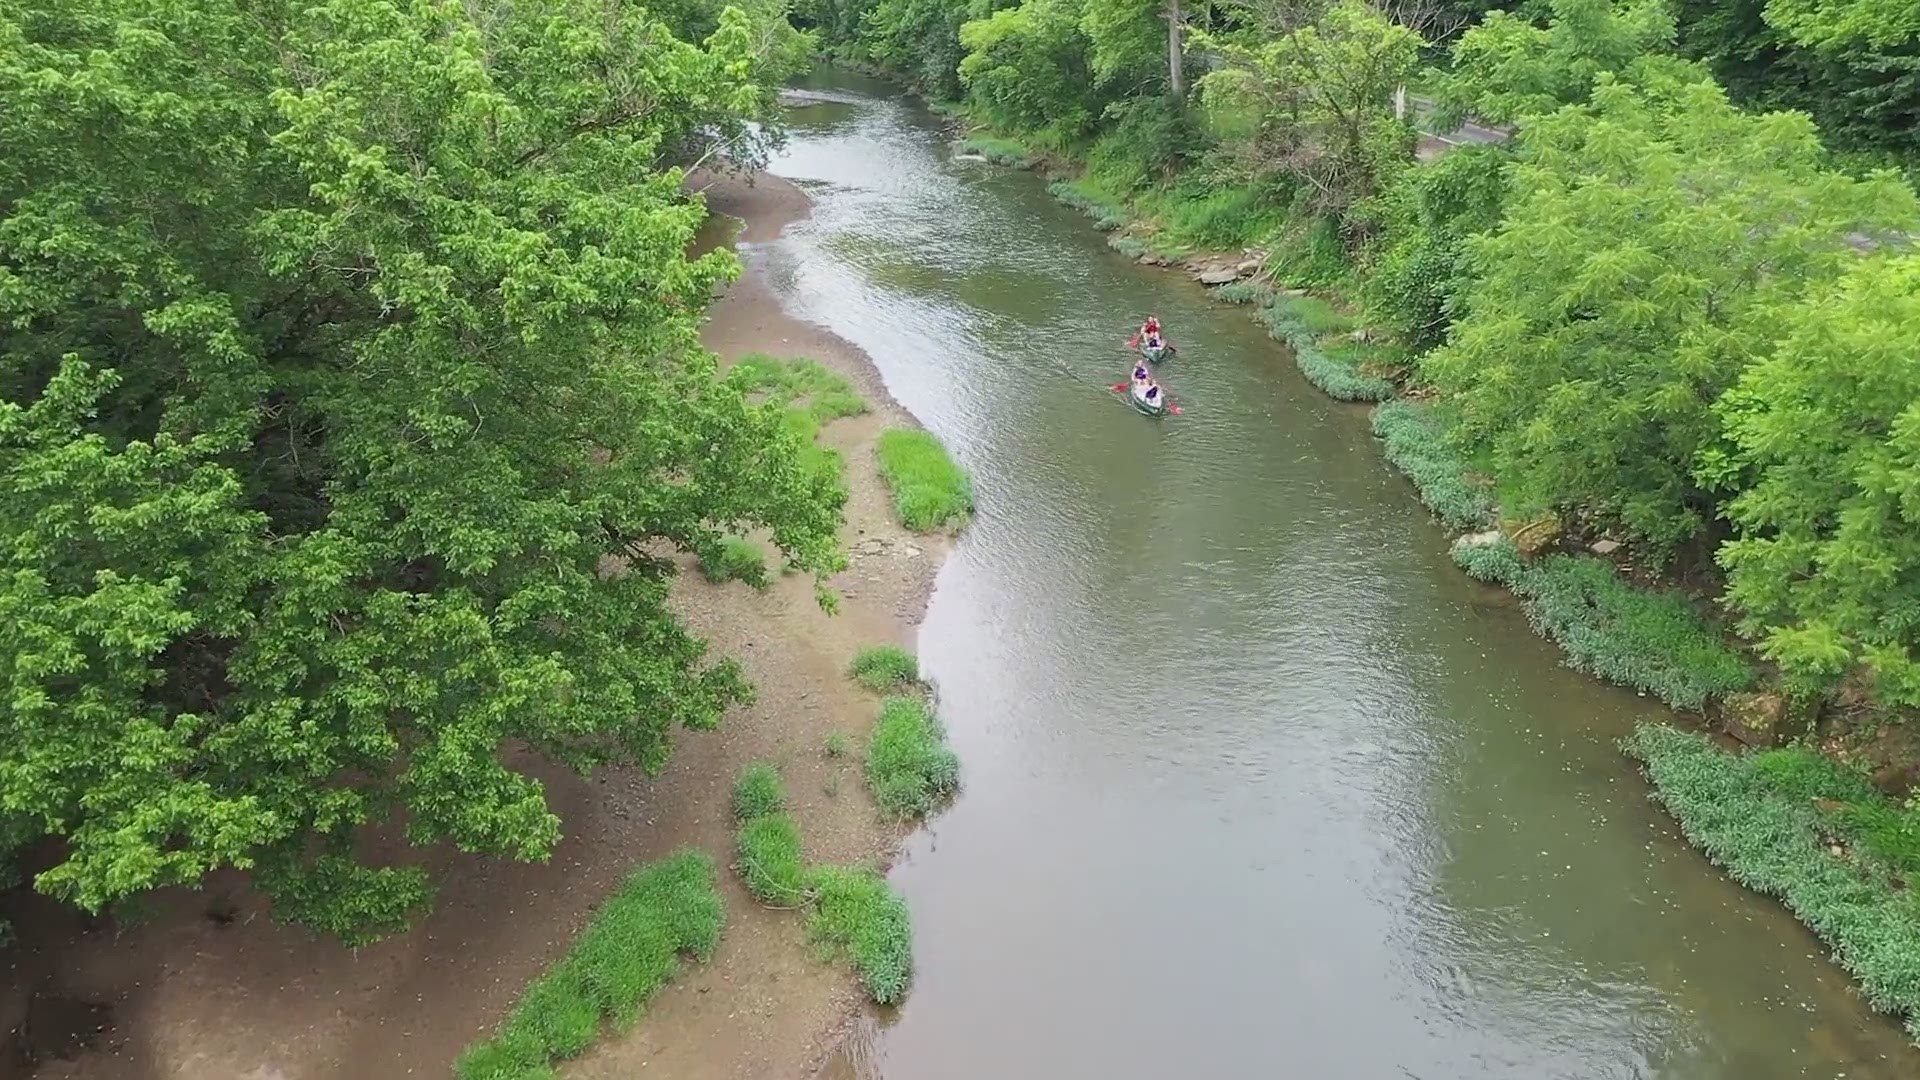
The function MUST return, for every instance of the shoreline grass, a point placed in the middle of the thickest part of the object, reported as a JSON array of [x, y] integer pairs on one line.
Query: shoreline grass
[[910, 768], [884, 668], [852, 911], [1773, 844], [858, 916], [1415, 442], [631, 949], [931, 492], [1653, 642], [804, 385]]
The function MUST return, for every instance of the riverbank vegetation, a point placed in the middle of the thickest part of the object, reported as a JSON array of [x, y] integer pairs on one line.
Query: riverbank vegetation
[[885, 668], [352, 391], [931, 492], [852, 912], [1651, 313], [910, 769], [1791, 824], [626, 954]]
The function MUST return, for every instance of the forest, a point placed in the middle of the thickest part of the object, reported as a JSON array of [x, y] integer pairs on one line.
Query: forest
[[353, 402]]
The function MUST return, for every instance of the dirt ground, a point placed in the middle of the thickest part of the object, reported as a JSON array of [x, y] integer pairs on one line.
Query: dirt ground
[[207, 987]]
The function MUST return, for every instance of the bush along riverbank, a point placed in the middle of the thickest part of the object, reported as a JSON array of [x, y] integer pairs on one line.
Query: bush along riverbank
[[1646, 391]]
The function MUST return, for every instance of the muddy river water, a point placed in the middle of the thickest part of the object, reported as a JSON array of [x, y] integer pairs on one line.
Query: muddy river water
[[1257, 783]]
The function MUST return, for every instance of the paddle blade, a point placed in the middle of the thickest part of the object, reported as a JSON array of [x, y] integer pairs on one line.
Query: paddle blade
[[1117, 387]]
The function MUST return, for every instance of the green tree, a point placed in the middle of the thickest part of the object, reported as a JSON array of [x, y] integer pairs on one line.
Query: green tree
[[1030, 69], [351, 393], [1826, 23], [1865, 97], [1822, 447], [1307, 93], [1650, 240], [1510, 67]]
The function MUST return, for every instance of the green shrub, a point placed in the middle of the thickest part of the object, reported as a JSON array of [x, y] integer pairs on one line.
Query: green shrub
[[931, 491], [629, 950], [1337, 373], [836, 745], [1652, 641], [769, 856], [758, 792], [1415, 442], [1773, 845], [735, 558], [881, 668], [1200, 216], [909, 766], [859, 916], [1130, 246]]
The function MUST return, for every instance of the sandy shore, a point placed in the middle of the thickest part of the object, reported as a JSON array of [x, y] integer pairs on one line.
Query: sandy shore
[[207, 987]]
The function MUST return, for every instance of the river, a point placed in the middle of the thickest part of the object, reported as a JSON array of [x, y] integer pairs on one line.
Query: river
[[1257, 783]]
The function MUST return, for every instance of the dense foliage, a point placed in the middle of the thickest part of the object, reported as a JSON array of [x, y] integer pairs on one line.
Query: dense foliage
[[351, 392]]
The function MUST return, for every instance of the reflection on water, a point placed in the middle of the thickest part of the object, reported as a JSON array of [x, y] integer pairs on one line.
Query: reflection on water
[[1257, 783]]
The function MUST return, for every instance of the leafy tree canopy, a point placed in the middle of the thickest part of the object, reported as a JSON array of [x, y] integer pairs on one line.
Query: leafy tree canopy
[[1651, 241], [1510, 67], [351, 393], [1823, 438], [1834, 23]]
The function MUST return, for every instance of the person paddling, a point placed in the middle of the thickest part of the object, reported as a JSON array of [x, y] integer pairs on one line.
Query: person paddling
[[1149, 333]]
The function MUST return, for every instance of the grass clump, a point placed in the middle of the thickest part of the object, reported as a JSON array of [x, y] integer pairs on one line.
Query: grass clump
[[836, 745], [1415, 441], [1089, 201], [881, 668], [910, 768], [629, 950], [931, 492], [1497, 563], [770, 860], [858, 915], [1771, 843], [1338, 373], [1241, 292], [806, 386], [735, 558], [1652, 641], [758, 792]]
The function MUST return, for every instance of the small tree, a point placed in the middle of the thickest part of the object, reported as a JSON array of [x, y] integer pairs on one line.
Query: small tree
[[1307, 92], [1822, 446]]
